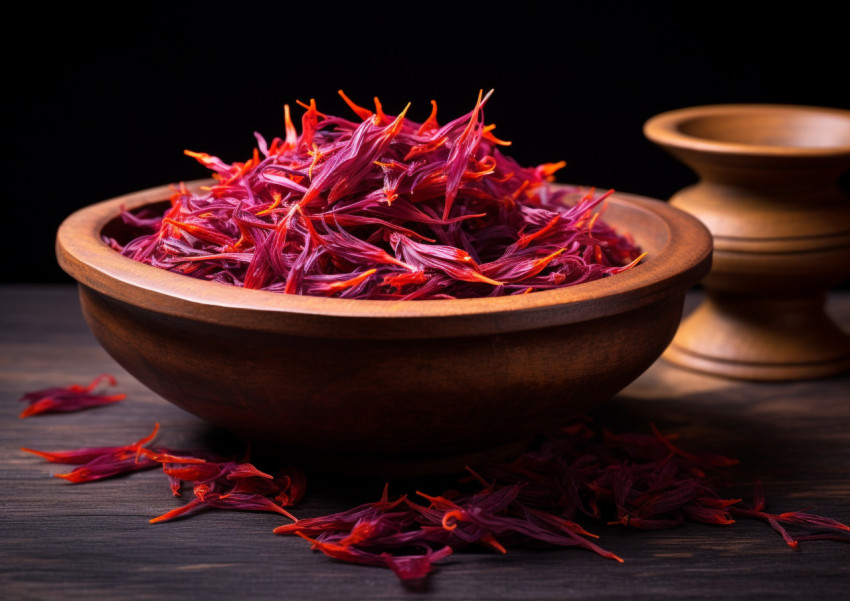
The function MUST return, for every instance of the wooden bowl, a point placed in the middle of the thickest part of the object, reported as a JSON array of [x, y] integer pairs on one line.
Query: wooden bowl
[[414, 385]]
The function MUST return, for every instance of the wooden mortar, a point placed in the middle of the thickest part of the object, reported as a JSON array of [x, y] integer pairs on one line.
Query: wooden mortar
[[781, 227]]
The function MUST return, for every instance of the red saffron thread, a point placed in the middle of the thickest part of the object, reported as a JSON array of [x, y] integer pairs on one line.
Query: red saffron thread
[[74, 397], [97, 463], [577, 472]]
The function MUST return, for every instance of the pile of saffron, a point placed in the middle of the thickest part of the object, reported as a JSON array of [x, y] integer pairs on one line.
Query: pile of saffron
[[576, 474], [382, 207]]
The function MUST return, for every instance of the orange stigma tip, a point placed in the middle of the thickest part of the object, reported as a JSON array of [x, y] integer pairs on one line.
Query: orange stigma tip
[[379, 111], [291, 134], [632, 264], [394, 127], [431, 122], [73, 477], [483, 278], [316, 544], [451, 515], [48, 456], [550, 168], [548, 258], [336, 286], [360, 111], [488, 134], [490, 540]]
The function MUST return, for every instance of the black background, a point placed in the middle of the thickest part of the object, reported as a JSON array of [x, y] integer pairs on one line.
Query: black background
[[101, 103]]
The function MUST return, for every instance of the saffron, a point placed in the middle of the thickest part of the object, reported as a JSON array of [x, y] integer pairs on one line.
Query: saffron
[[74, 397], [382, 207], [577, 473]]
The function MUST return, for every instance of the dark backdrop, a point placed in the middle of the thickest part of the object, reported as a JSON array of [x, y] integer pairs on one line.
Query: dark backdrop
[[104, 102]]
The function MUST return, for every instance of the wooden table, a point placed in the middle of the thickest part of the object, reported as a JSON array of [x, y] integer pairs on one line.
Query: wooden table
[[93, 541]]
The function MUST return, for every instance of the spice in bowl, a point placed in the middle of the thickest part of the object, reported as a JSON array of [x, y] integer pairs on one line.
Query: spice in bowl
[[383, 207]]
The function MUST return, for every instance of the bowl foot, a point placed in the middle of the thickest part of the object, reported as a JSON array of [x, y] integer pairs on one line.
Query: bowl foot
[[388, 465]]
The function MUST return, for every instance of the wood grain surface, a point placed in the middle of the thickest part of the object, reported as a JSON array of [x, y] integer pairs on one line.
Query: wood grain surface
[[93, 541]]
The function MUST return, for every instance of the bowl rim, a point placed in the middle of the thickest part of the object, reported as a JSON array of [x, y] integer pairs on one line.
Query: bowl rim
[[685, 259], [665, 129]]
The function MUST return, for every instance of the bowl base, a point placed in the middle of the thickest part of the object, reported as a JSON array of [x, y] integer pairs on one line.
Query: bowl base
[[387, 465]]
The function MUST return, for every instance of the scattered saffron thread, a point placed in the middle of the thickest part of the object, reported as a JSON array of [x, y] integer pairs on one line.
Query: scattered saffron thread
[[576, 473], [69, 398]]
